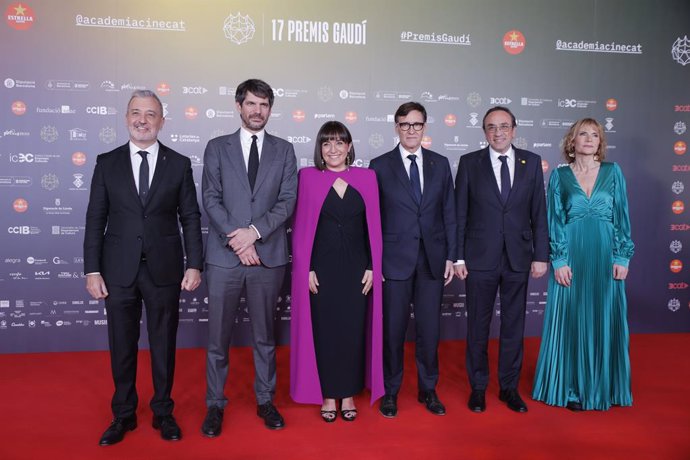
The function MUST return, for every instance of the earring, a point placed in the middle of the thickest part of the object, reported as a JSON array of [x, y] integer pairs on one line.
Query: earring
[[323, 162], [596, 157], [347, 160], [571, 154]]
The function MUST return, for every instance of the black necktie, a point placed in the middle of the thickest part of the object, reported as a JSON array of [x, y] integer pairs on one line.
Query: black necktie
[[253, 165], [414, 179], [505, 178], [143, 176]]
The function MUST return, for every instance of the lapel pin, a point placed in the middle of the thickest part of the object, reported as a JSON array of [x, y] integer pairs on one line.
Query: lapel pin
[[522, 161]]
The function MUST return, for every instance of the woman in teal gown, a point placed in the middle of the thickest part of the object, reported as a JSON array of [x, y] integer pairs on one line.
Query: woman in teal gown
[[583, 361]]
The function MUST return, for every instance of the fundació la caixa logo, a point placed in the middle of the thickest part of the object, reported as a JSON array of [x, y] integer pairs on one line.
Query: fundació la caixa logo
[[239, 29], [680, 51]]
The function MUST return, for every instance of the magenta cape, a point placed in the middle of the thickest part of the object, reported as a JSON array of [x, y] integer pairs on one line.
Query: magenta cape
[[314, 185]]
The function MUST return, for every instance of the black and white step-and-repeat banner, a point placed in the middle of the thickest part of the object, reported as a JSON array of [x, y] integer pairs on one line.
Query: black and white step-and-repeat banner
[[69, 67]]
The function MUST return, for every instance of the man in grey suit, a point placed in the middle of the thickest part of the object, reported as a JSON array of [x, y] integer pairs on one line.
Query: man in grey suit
[[249, 190]]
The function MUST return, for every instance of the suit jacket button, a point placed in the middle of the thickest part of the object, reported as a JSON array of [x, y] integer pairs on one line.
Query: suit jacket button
[[139, 238]]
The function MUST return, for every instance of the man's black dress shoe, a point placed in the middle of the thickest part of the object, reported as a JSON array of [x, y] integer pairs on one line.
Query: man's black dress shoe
[[272, 418], [574, 406], [117, 429], [213, 423], [433, 404], [513, 400], [477, 402], [389, 406], [168, 427]]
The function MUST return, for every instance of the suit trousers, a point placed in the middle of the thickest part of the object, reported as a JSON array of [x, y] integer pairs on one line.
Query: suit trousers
[[425, 292], [123, 309], [481, 289], [225, 286]]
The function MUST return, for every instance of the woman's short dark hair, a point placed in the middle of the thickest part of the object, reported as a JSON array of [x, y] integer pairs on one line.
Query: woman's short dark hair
[[332, 131]]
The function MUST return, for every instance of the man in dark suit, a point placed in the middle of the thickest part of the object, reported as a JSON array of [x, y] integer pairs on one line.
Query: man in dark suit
[[249, 191], [133, 252], [502, 237], [419, 246]]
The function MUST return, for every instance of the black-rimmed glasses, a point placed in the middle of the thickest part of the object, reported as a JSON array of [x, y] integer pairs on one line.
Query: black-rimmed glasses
[[405, 126]]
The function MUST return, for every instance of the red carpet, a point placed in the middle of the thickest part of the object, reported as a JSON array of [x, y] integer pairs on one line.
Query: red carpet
[[57, 405]]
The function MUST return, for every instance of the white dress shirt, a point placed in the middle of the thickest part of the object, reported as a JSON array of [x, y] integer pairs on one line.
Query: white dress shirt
[[496, 165], [246, 140], [136, 160]]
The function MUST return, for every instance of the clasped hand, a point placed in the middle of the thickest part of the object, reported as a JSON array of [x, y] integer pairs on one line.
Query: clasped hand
[[367, 281], [241, 241]]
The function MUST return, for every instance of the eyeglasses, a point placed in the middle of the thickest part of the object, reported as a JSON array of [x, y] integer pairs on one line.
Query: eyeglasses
[[405, 126], [502, 128]]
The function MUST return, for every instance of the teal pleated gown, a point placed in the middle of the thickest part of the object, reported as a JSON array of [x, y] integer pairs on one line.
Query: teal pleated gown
[[584, 349]]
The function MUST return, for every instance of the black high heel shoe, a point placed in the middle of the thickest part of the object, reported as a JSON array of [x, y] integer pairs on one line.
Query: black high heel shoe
[[574, 406], [349, 415], [329, 416]]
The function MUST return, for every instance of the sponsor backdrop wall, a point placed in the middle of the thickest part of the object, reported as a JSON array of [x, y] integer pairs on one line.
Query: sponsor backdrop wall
[[69, 68]]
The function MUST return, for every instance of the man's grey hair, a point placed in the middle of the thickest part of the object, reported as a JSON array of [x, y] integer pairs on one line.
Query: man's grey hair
[[146, 93]]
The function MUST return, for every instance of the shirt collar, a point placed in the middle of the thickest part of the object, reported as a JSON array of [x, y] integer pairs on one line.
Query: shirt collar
[[246, 136], [404, 153], [494, 154], [151, 149]]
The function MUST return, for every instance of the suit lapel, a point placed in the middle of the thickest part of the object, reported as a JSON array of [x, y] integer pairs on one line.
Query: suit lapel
[[519, 173], [429, 172], [159, 172], [268, 155], [124, 166], [398, 169], [236, 159], [488, 171]]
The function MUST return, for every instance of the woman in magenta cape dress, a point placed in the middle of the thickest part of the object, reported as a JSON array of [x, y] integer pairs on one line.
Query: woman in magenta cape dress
[[336, 258]]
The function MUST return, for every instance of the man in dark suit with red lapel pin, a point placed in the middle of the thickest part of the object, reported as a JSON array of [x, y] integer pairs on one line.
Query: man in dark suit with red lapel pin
[[141, 194], [502, 237]]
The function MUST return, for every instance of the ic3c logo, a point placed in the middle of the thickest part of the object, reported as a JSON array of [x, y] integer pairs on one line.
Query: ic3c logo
[[567, 103], [21, 157]]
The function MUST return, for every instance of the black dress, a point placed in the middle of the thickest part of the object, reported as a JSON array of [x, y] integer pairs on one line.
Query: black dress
[[340, 256]]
